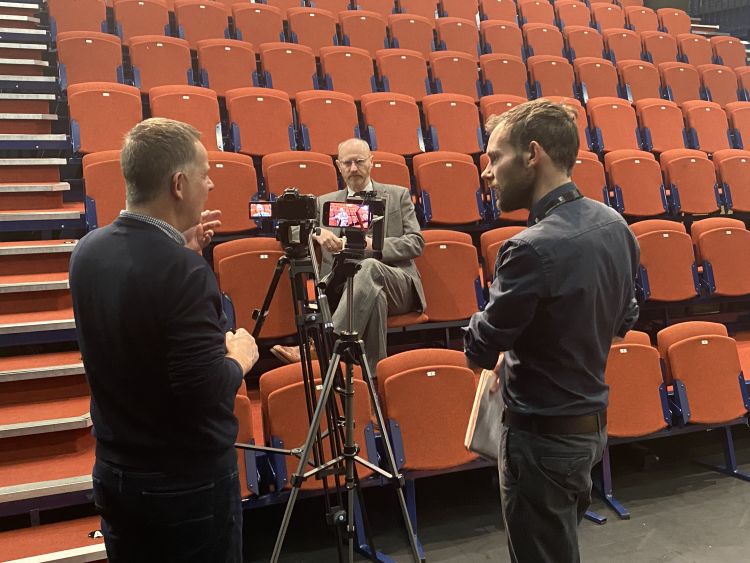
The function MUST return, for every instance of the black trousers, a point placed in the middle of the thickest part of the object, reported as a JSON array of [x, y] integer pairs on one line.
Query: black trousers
[[158, 517], [545, 485]]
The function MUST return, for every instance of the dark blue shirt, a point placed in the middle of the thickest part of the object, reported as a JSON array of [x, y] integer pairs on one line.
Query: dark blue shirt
[[563, 289]]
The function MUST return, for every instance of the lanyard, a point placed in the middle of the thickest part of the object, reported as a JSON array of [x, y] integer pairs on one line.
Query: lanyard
[[567, 197]]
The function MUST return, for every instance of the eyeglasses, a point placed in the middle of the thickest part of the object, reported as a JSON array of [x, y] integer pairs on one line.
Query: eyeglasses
[[359, 163]]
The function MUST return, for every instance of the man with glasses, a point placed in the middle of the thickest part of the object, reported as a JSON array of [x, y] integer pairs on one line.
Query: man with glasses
[[390, 286]]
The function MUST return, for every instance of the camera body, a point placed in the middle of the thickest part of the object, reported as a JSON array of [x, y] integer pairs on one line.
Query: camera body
[[290, 206]]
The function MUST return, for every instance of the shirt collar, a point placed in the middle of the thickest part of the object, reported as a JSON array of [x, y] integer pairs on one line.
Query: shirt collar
[[368, 188], [537, 210], [163, 226]]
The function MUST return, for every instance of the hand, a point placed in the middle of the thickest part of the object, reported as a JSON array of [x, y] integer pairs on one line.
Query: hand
[[496, 384], [241, 346], [327, 240], [199, 237]]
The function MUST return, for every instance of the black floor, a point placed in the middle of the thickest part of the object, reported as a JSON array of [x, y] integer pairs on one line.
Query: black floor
[[681, 512]]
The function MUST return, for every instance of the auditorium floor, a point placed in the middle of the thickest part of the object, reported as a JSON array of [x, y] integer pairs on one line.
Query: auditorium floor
[[681, 512]]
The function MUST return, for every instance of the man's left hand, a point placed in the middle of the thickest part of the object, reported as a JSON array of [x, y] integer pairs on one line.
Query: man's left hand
[[199, 237]]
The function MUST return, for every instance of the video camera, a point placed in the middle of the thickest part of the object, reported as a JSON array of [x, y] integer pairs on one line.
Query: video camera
[[293, 213], [359, 215]]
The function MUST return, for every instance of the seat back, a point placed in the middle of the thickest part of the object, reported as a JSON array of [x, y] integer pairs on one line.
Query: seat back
[[197, 106], [458, 34], [466, 9], [681, 82], [141, 17], [683, 331], [451, 294], [636, 391], [453, 122], [709, 367], [425, 8], [288, 67], [635, 180], [729, 51], [543, 39], [490, 243], [160, 61], [81, 15], [450, 188], [596, 77], [739, 118], [572, 13], [504, 74], [382, 7], [505, 10], [245, 435], [607, 16], [614, 124], [413, 32], [455, 72], [622, 44], [393, 123], [498, 104], [403, 71], [313, 27], [389, 168], [536, 11], [226, 64], [639, 80], [501, 37], [101, 113], [674, 21], [582, 41], [260, 120], [719, 83], [235, 184], [232, 262], [723, 248], [588, 175], [694, 176], [732, 170], [662, 125], [326, 119], [668, 259], [88, 56], [258, 23], [197, 19], [310, 172], [551, 76], [695, 49], [707, 124], [639, 18], [659, 47], [348, 70], [366, 30], [104, 184], [433, 431]]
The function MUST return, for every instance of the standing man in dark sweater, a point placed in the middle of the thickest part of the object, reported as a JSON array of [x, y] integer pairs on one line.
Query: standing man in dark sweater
[[563, 289], [162, 371]]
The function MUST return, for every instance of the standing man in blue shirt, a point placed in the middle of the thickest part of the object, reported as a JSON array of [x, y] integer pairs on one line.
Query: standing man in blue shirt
[[563, 291]]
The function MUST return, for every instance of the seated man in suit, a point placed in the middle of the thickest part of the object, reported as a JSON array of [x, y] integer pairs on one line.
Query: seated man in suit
[[390, 286]]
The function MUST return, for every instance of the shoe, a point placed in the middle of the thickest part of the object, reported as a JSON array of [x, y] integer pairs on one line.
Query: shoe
[[287, 354]]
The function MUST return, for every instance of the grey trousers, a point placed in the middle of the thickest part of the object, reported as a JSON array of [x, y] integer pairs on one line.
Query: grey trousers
[[545, 486], [379, 291]]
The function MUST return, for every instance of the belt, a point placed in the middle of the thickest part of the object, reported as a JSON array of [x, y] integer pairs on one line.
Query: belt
[[583, 424]]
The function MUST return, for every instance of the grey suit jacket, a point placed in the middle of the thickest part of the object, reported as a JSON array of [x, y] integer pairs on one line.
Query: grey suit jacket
[[403, 237]]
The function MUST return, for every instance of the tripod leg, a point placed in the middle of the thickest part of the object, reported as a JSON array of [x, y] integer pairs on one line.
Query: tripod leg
[[280, 265], [312, 433], [390, 458]]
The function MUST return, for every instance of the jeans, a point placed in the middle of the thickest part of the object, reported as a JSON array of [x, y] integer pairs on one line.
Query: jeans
[[152, 516], [545, 486]]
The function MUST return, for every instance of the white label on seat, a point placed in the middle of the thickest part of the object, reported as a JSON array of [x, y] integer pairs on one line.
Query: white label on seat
[[391, 103], [743, 160], [105, 94], [329, 101], [264, 256], [449, 165], [303, 165], [219, 165], [259, 99], [160, 44], [623, 350], [615, 106], [704, 342], [347, 54], [202, 7], [363, 18], [692, 160], [377, 165], [544, 30], [455, 59], [505, 61], [227, 48], [554, 63], [318, 387], [727, 232], [288, 52], [708, 109], [312, 15], [185, 97], [665, 235], [640, 67], [459, 24], [89, 41], [411, 21], [453, 104], [257, 11], [403, 57], [443, 246], [431, 373], [637, 161], [141, 3], [662, 107], [681, 69]]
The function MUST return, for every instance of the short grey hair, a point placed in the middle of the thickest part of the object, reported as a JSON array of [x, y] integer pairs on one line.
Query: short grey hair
[[154, 150], [354, 140]]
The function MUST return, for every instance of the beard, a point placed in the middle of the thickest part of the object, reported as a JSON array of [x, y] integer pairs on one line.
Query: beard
[[516, 190]]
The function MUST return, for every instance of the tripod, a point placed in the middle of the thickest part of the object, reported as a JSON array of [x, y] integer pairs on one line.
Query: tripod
[[345, 456]]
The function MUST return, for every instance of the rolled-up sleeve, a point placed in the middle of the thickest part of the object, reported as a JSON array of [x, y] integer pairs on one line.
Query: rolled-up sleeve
[[518, 286]]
